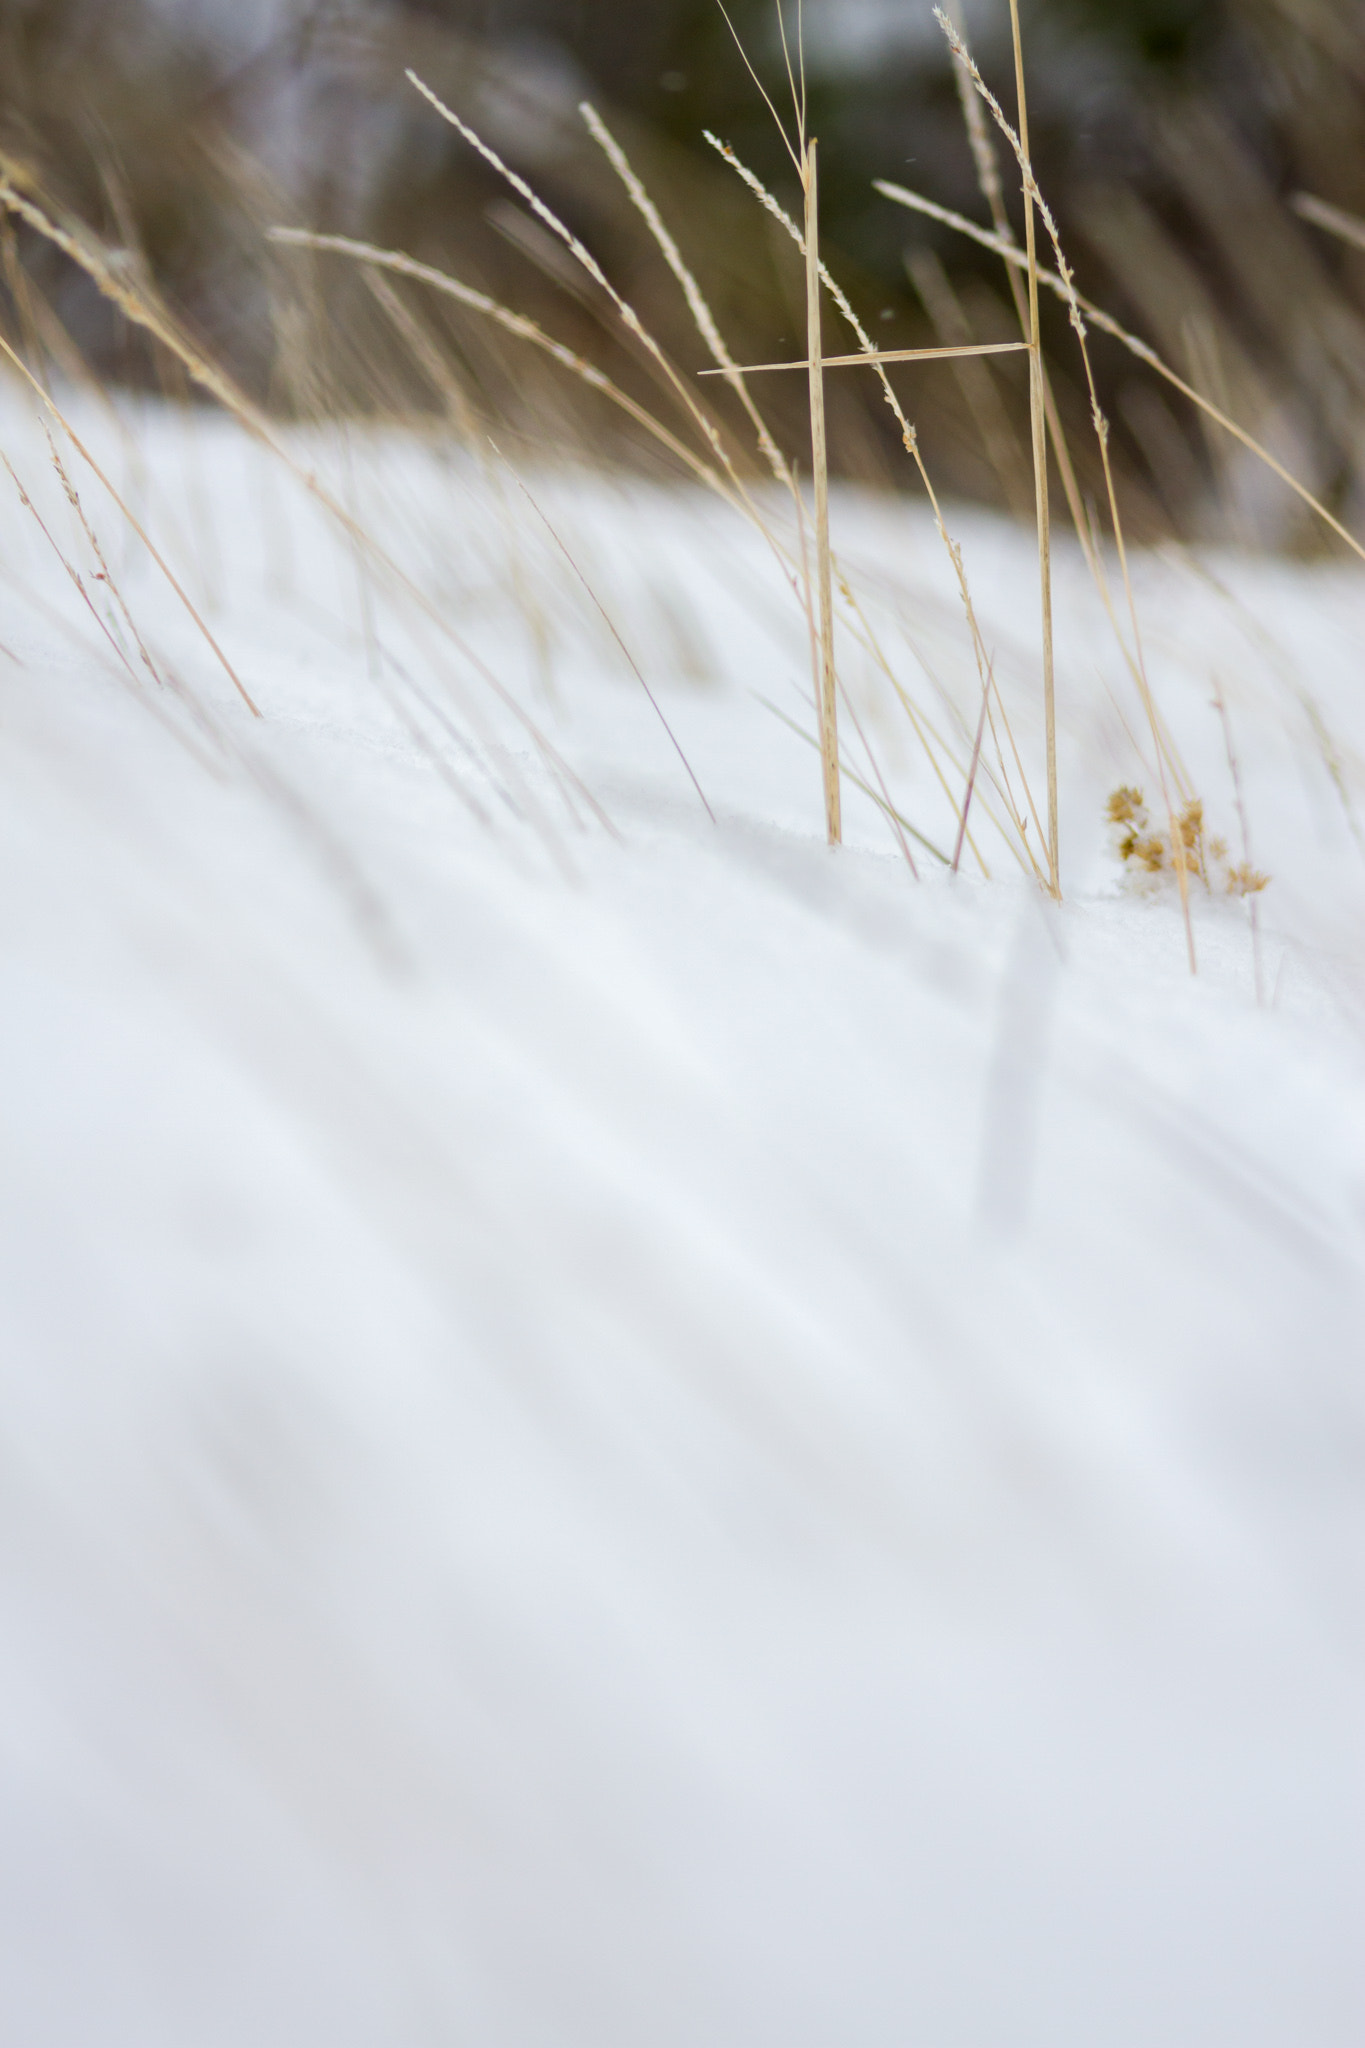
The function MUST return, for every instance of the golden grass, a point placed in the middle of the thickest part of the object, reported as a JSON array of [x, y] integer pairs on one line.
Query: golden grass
[[1038, 422], [871, 357], [133, 521], [826, 696], [1034, 198], [713, 465], [902, 195], [979, 764]]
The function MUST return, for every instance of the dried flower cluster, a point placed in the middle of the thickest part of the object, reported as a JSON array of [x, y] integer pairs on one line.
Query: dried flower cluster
[[1149, 853]]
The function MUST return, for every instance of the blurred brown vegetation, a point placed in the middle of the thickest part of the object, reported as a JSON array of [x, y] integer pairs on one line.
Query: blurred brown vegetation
[[1170, 136]]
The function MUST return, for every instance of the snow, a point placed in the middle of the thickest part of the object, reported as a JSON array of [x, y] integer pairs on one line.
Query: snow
[[639, 1431]]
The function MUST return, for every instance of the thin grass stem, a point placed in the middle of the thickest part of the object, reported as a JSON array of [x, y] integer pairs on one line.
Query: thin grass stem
[[902, 195], [826, 695], [1038, 422]]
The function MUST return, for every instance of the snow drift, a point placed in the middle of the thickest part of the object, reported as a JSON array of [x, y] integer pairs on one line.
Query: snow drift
[[616, 1428]]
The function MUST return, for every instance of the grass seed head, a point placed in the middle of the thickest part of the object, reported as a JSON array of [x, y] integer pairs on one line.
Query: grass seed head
[[1126, 806]]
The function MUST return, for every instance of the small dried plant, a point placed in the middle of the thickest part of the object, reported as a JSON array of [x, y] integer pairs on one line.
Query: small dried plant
[[1151, 856]]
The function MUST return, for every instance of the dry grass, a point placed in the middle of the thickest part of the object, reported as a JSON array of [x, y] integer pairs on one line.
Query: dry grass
[[978, 761], [826, 693], [1038, 423]]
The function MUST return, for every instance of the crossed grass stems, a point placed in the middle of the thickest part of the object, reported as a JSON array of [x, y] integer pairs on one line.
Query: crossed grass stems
[[993, 745]]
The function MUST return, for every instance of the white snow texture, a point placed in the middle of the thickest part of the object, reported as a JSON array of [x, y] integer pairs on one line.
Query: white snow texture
[[626, 1432]]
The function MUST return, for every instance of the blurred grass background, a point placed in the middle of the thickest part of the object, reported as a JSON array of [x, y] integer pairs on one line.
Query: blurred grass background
[[1169, 136]]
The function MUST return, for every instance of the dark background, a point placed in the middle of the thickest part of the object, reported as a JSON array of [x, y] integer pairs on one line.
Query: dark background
[[1167, 133]]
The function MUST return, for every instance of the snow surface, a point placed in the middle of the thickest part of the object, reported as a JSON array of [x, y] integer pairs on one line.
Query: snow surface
[[643, 1433]]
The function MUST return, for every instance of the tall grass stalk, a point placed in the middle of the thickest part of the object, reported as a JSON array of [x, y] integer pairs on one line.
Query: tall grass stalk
[[877, 361], [1239, 802], [1038, 422], [703, 318], [1019, 145], [992, 191], [826, 695]]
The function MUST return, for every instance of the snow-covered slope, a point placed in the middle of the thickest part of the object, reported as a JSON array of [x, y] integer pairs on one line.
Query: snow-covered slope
[[620, 1429]]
